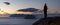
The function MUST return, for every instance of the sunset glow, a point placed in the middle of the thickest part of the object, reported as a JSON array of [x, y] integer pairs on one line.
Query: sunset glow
[[24, 13], [53, 5]]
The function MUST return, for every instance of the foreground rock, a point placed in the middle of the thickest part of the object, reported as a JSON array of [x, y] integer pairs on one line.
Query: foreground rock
[[48, 21]]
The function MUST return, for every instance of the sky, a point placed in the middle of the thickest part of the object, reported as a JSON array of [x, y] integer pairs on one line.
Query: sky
[[53, 5]]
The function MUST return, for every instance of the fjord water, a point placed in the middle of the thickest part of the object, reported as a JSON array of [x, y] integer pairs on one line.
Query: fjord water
[[21, 20]]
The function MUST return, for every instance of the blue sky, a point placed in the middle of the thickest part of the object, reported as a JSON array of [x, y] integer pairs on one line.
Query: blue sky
[[53, 5]]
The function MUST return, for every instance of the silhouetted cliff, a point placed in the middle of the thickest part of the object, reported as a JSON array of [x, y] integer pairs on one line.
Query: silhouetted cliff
[[26, 16], [17, 15]]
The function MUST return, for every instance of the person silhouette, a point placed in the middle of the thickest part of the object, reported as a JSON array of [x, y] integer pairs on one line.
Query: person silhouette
[[41, 21]]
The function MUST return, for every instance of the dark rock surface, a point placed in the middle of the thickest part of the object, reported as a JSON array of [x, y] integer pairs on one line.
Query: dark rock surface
[[48, 21]]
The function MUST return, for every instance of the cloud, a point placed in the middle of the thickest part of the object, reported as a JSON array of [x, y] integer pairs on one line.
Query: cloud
[[28, 10]]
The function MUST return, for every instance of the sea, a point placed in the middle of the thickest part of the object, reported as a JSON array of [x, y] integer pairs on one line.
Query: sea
[[22, 21]]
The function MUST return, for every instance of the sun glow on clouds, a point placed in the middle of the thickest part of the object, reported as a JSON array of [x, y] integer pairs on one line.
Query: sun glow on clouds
[[8, 9], [24, 12], [13, 10]]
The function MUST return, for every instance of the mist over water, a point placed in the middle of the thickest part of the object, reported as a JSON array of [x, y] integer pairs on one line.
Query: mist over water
[[22, 21]]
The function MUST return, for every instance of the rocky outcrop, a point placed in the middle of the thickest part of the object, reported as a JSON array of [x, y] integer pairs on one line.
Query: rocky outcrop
[[48, 21]]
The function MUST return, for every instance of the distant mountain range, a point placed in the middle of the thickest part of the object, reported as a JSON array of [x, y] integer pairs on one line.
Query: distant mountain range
[[17, 15], [26, 16], [28, 10]]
